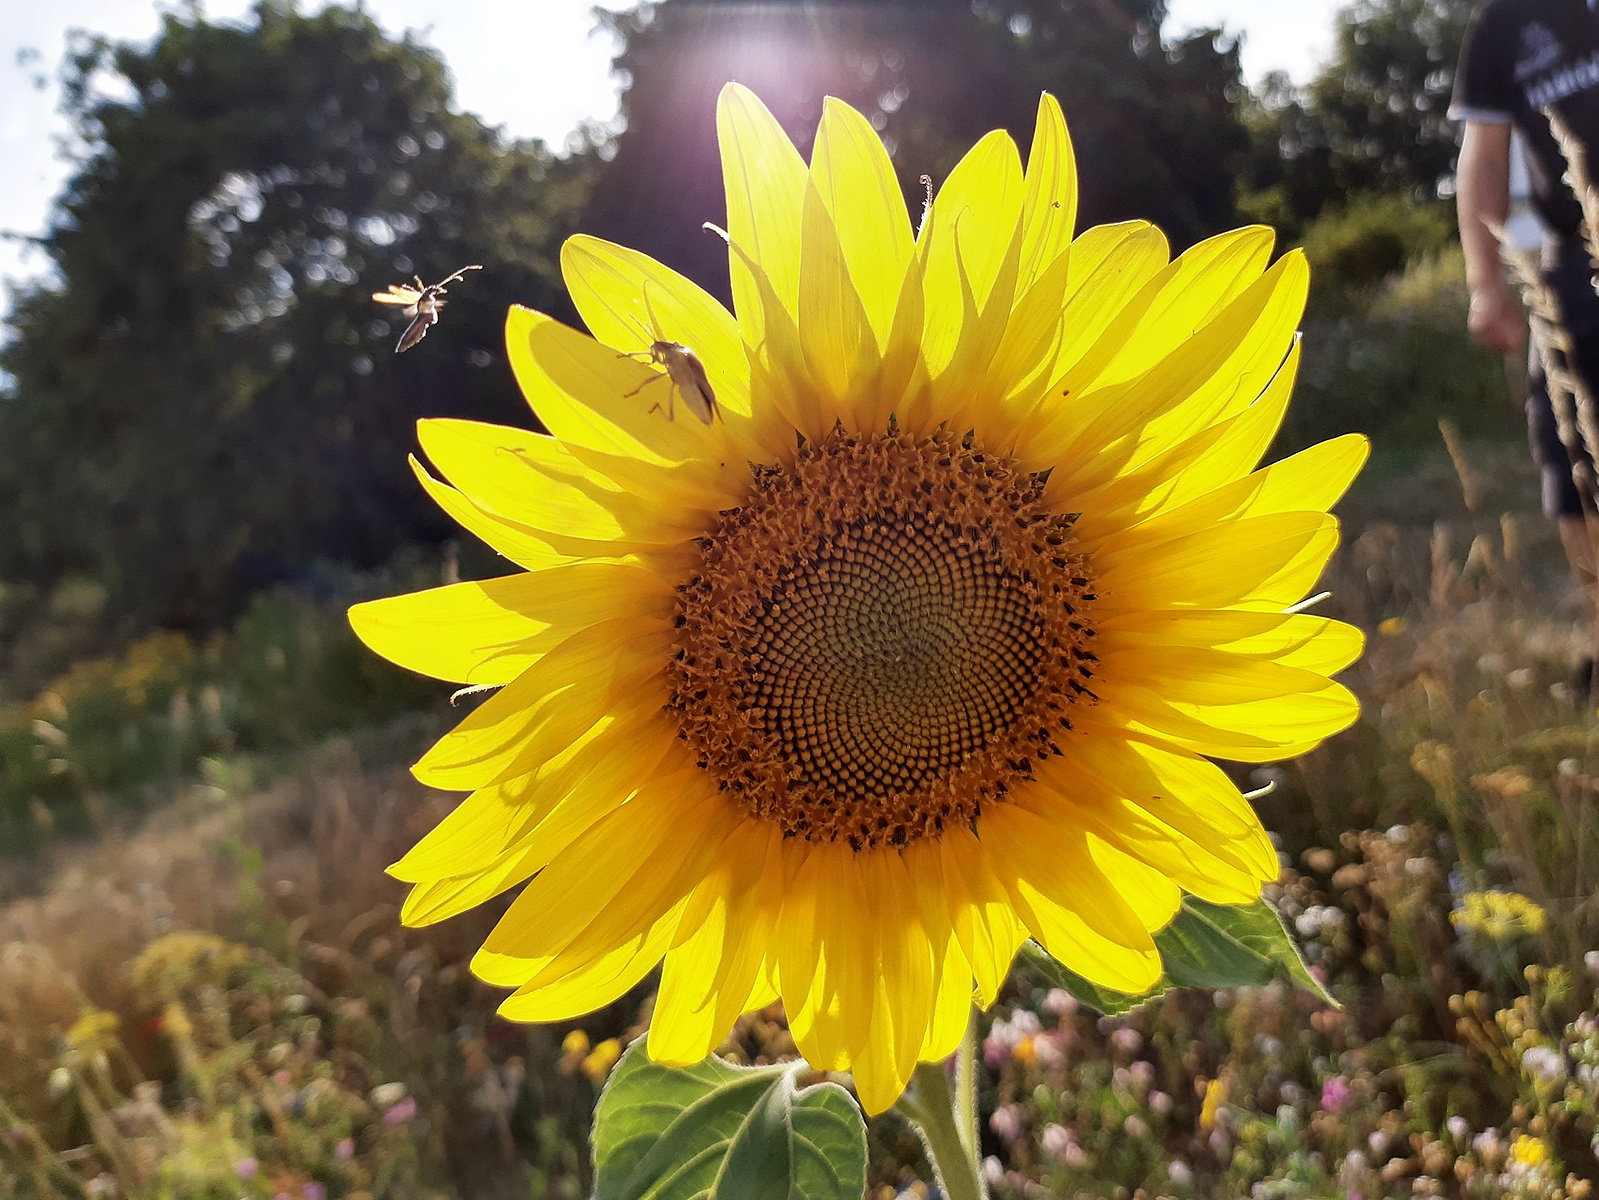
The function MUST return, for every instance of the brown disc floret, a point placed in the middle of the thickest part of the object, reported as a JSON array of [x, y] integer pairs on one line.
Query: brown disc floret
[[883, 638]]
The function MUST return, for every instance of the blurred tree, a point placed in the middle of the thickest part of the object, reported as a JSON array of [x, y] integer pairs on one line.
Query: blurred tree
[[204, 398], [1155, 124], [1374, 119]]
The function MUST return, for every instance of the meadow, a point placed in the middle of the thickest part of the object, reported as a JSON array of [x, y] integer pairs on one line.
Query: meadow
[[205, 990]]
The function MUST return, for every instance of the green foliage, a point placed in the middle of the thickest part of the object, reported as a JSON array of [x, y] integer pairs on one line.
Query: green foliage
[[97, 738], [726, 1133], [1373, 120], [1390, 360], [204, 399], [1205, 946], [1370, 237]]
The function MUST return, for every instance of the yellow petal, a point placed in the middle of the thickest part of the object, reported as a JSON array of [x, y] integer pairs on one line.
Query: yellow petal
[[967, 241], [1215, 456], [579, 390], [1312, 480], [611, 884], [988, 928], [1300, 640], [1258, 559], [904, 993], [491, 631], [1049, 210], [536, 482], [525, 821], [835, 332], [604, 670], [629, 300], [1187, 296], [1191, 795], [596, 983], [713, 969], [1066, 901], [1153, 895], [1109, 265], [765, 181], [1095, 805], [1246, 730], [523, 546], [855, 180], [1210, 375]]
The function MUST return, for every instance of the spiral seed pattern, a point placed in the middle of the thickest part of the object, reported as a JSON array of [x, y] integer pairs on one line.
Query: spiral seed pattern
[[883, 639]]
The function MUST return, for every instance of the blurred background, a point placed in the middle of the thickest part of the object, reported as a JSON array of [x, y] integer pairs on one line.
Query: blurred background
[[204, 991]]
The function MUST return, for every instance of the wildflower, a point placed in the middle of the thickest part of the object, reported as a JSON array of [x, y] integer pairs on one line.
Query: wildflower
[[387, 1095], [402, 1112], [1334, 1094], [1126, 1041], [1528, 1151], [1498, 916], [1056, 1141], [1006, 1122], [1393, 627], [916, 648], [1180, 1173], [94, 1033], [246, 1168], [344, 1151], [1060, 1002], [599, 1062], [1543, 1064], [1215, 1097]]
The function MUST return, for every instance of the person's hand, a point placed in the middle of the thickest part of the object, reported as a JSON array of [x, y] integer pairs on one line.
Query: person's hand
[[1496, 320]]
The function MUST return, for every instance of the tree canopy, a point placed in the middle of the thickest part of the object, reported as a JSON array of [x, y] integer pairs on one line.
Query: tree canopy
[[204, 398]]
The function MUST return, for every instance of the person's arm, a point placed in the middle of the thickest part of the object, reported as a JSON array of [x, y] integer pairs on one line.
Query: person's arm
[[1482, 198]]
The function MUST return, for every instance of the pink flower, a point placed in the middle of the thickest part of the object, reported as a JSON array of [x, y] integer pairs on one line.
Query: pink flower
[[245, 1168], [345, 1150], [1334, 1094], [401, 1112]]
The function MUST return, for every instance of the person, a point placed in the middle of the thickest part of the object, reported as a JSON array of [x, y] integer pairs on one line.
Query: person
[[1518, 58]]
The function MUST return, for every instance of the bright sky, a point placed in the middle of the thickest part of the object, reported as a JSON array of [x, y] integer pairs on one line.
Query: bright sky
[[537, 68]]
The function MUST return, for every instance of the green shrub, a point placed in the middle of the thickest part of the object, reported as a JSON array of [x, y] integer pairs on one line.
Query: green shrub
[[1395, 359], [1372, 237]]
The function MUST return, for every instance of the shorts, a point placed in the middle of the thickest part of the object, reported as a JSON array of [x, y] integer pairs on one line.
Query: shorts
[[1571, 279]]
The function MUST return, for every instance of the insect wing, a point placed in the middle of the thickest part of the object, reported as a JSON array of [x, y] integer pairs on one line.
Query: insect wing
[[398, 294], [415, 331], [688, 374]]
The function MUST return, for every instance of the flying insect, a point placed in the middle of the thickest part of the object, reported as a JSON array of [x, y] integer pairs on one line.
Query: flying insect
[[422, 304]]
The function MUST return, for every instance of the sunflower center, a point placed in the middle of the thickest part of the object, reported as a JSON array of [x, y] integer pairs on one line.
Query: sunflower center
[[882, 640]]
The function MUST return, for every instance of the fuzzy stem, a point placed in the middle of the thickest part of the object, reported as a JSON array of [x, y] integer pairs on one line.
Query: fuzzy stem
[[929, 1104]]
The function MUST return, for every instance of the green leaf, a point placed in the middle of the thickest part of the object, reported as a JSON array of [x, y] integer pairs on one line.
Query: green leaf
[[716, 1131], [1205, 946]]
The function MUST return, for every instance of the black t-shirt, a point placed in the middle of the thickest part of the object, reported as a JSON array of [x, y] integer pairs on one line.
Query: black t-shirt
[[1520, 56]]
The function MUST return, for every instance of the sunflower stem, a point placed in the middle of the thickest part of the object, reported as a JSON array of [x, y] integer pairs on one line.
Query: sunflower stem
[[966, 1090], [930, 1105]]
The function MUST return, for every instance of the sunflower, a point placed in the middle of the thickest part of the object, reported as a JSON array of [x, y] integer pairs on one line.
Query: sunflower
[[917, 648]]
